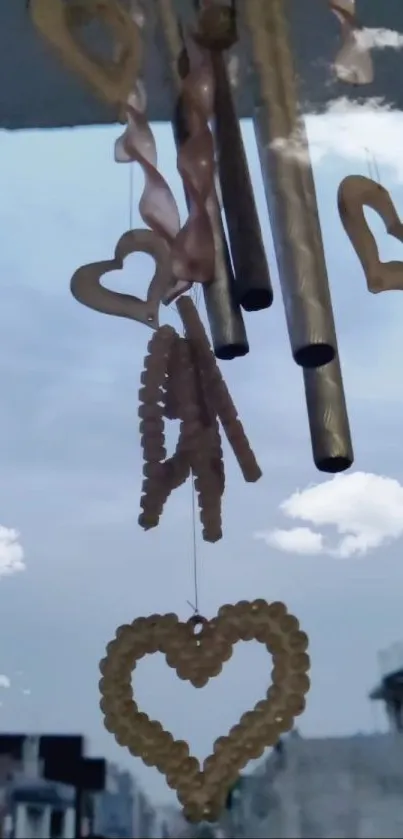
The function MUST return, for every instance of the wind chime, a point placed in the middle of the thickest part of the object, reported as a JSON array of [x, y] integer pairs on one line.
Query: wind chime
[[181, 379]]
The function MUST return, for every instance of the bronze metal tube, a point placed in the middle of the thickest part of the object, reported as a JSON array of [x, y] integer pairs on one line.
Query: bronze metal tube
[[291, 198], [328, 420], [289, 187]]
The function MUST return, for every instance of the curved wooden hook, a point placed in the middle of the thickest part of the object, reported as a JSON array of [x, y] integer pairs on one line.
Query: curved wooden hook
[[355, 193]]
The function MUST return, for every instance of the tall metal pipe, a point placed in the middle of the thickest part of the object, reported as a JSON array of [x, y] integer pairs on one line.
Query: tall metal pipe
[[291, 198], [226, 323], [289, 187]]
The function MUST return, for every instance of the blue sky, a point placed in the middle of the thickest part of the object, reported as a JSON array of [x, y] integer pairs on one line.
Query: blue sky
[[71, 467]]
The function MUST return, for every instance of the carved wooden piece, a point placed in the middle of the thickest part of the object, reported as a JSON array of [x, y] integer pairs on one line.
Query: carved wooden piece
[[217, 391], [176, 382], [181, 381], [172, 396], [353, 64], [216, 25], [197, 443], [356, 192], [87, 288], [59, 22], [156, 486], [198, 451], [198, 657]]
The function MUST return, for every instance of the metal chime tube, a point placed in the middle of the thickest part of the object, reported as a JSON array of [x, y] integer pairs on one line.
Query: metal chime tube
[[253, 286], [328, 421], [291, 198], [223, 311], [289, 189]]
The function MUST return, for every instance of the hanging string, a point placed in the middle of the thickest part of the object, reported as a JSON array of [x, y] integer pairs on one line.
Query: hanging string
[[377, 172], [195, 605], [131, 195], [369, 163], [196, 295], [195, 558], [373, 168]]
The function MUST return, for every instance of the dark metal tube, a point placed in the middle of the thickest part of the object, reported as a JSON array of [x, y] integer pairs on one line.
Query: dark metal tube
[[328, 421], [224, 314], [253, 286]]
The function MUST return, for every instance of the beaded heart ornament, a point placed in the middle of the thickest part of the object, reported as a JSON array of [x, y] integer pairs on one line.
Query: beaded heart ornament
[[198, 657]]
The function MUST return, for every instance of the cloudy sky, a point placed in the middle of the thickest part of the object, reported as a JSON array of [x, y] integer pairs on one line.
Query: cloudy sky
[[74, 564]]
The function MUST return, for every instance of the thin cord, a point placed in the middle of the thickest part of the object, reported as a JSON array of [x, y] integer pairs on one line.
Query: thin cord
[[131, 188], [195, 564], [194, 606], [376, 167], [369, 163], [373, 167], [196, 299], [195, 295]]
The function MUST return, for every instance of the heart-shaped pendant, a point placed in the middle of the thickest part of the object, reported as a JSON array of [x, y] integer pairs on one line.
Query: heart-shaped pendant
[[355, 193], [59, 22], [198, 657], [86, 284]]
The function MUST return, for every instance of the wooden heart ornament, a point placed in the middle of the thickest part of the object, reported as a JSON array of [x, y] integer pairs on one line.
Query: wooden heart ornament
[[59, 22], [198, 656], [86, 284], [356, 192]]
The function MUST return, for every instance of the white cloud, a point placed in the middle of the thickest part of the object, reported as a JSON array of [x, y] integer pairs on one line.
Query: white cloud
[[352, 131], [379, 39], [4, 682], [11, 552], [299, 540], [365, 509]]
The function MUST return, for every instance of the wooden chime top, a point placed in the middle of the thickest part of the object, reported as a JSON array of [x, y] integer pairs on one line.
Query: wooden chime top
[[40, 93]]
